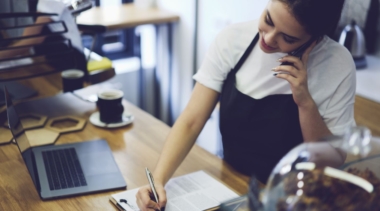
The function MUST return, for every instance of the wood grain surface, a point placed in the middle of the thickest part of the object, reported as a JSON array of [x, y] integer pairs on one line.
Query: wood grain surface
[[134, 147], [125, 16], [367, 113]]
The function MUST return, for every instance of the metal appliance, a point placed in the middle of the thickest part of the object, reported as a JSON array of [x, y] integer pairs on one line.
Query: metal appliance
[[353, 39]]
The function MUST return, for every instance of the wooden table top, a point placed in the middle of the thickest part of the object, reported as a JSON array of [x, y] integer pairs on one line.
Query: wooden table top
[[125, 16], [134, 147]]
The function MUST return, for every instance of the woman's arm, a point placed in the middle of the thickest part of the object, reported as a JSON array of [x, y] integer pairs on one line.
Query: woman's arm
[[178, 144], [312, 125], [185, 131]]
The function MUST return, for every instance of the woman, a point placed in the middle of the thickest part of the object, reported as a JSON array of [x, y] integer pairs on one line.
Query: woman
[[266, 108]]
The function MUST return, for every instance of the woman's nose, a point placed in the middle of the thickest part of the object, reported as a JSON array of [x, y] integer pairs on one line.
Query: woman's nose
[[270, 39]]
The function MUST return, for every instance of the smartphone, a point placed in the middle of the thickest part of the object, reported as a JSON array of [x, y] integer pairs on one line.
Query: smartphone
[[299, 51]]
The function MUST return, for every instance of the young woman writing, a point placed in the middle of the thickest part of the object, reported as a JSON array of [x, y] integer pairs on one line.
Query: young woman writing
[[266, 108]]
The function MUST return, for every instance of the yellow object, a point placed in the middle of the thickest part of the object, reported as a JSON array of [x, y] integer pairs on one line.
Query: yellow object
[[103, 64]]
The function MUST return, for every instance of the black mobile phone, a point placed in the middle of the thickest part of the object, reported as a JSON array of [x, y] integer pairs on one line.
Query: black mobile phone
[[299, 51]]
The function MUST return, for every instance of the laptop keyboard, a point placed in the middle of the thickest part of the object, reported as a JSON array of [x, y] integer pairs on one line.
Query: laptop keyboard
[[63, 169]]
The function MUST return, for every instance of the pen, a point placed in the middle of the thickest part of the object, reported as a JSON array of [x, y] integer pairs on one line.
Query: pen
[[151, 183]]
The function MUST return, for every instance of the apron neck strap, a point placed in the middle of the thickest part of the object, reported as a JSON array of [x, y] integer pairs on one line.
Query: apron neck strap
[[246, 54]]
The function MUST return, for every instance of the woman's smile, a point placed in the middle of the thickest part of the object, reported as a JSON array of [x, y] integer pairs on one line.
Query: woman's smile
[[266, 46]]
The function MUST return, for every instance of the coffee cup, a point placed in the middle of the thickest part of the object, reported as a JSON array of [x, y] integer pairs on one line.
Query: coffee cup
[[110, 105], [72, 80]]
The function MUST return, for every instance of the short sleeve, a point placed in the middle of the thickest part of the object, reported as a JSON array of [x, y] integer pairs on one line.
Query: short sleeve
[[216, 65], [224, 52], [339, 114]]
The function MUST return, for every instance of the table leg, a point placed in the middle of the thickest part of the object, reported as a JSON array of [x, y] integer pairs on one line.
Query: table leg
[[170, 49], [157, 87], [156, 82], [137, 52]]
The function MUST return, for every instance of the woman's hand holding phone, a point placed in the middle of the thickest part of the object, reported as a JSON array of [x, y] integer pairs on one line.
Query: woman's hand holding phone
[[296, 75]]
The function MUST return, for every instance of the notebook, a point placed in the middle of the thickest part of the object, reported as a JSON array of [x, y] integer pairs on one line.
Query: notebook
[[194, 191]]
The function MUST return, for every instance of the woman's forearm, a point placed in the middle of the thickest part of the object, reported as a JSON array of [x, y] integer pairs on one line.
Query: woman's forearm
[[178, 144], [312, 125], [185, 131]]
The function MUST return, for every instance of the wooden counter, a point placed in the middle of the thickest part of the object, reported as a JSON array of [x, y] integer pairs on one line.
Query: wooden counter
[[367, 113], [134, 147], [125, 16]]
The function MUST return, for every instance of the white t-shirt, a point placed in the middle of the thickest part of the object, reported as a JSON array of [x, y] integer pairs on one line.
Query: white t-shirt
[[330, 68]]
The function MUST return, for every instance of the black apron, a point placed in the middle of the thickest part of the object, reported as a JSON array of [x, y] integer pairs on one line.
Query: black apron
[[256, 133]]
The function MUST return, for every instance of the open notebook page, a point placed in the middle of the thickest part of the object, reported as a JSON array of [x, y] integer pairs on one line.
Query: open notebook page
[[191, 192]]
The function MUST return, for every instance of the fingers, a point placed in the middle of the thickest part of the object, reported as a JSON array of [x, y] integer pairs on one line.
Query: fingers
[[287, 77], [286, 69], [161, 195], [297, 63], [289, 73], [144, 201], [142, 206]]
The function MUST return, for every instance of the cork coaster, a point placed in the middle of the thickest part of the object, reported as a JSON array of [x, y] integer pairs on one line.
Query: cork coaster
[[42, 136], [65, 124]]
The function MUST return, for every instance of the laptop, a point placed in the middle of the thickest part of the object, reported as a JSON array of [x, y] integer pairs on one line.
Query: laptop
[[68, 169]]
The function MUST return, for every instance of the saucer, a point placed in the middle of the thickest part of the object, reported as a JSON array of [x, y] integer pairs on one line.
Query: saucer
[[126, 120]]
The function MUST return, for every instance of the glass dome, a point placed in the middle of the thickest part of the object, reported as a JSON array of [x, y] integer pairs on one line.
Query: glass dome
[[336, 173]]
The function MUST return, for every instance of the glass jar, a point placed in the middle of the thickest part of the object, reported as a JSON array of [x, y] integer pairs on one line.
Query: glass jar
[[335, 173]]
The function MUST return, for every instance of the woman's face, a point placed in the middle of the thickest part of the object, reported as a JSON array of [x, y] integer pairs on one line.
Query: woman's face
[[279, 30]]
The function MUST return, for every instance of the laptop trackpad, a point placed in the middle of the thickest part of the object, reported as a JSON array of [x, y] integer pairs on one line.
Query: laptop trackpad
[[97, 163]]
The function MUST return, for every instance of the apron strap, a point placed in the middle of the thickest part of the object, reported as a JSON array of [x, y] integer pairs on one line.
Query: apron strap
[[246, 54]]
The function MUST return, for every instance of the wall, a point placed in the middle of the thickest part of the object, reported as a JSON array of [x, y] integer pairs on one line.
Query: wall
[[214, 15]]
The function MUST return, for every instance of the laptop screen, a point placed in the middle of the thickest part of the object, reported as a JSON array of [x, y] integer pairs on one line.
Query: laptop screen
[[21, 139]]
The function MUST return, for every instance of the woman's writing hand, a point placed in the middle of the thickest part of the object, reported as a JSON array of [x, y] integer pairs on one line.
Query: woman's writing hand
[[144, 198], [296, 75]]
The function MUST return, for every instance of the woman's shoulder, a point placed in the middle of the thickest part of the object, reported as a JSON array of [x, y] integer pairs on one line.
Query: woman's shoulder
[[336, 52], [331, 74], [333, 56]]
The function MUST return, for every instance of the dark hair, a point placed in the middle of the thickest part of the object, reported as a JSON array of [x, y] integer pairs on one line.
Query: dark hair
[[318, 17]]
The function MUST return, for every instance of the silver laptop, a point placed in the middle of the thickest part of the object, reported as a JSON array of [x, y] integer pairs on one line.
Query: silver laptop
[[68, 169]]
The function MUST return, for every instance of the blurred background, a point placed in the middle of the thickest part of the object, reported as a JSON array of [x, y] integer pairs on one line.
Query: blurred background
[[200, 22]]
